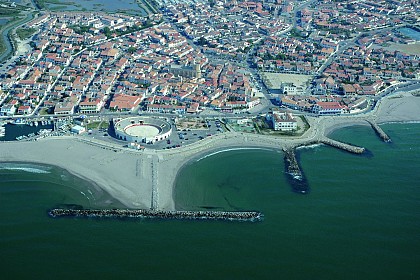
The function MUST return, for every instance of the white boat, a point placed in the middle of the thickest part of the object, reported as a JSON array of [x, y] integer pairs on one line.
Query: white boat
[[18, 121]]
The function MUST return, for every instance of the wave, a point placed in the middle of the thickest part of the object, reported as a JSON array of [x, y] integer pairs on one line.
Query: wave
[[312, 146], [25, 168], [228, 150]]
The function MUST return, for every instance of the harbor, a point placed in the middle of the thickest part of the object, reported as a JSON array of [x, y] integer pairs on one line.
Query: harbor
[[28, 130], [242, 216]]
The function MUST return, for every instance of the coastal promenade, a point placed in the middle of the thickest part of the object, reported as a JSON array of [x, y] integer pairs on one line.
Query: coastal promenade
[[145, 179]]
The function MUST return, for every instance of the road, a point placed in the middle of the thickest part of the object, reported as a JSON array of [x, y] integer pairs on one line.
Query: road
[[6, 33]]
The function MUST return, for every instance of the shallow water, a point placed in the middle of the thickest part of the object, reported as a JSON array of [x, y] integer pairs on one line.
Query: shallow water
[[128, 6]]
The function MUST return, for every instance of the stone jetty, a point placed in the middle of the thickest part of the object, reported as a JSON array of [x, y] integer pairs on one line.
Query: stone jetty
[[343, 146], [379, 131], [292, 166], [243, 216], [294, 172]]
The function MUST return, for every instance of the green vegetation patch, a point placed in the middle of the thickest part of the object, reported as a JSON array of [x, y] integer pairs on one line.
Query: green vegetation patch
[[98, 125], [25, 33], [8, 12], [43, 3]]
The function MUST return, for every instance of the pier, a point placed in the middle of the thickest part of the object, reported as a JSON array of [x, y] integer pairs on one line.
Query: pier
[[245, 216], [379, 131]]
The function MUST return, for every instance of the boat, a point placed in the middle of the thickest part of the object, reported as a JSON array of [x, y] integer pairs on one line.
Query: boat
[[18, 122], [36, 123]]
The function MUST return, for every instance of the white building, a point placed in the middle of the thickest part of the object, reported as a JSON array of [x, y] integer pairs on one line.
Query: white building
[[327, 108], [78, 129], [8, 110], [291, 89], [282, 121]]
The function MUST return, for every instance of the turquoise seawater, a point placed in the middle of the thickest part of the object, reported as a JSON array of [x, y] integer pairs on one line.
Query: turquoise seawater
[[361, 219]]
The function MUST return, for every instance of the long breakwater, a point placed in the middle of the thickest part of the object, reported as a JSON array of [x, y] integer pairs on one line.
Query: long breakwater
[[243, 216]]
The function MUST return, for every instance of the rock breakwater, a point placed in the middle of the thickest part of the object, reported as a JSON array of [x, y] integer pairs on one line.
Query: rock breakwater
[[246, 216], [380, 132]]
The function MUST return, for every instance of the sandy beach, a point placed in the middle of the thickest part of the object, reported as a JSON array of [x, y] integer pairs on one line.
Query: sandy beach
[[145, 179], [115, 172]]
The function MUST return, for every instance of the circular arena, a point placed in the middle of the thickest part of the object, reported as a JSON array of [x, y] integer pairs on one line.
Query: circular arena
[[142, 129]]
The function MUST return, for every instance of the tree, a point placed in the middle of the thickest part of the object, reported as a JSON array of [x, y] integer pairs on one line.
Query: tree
[[202, 41], [107, 31]]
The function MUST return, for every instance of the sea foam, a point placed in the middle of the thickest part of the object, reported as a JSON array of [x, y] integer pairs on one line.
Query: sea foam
[[25, 168], [228, 150]]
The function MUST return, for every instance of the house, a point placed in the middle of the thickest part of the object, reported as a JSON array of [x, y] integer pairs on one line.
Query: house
[[77, 129], [7, 110], [289, 88], [91, 106], [327, 108], [124, 102], [24, 110], [349, 89], [64, 108]]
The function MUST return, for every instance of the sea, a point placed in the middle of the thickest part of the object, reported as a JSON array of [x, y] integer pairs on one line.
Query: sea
[[360, 219]]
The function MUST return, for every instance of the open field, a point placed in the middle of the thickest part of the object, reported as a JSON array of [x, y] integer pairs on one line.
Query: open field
[[410, 49], [274, 80]]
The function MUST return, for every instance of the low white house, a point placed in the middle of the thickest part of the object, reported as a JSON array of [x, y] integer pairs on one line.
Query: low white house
[[8, 110], [78, 129]]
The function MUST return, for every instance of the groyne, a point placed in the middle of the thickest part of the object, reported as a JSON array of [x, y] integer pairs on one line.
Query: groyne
[[294, 172], [245, 216], [379, 131], [292, 164], [343, 146]]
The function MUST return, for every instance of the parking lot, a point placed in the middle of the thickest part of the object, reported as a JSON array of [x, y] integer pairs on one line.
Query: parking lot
[[185, 136], [178, 138]]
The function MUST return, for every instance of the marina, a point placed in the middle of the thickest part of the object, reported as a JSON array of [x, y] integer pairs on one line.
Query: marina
[[21, 129]]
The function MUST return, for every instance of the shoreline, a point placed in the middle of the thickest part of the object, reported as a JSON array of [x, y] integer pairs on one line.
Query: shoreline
[[101, 196], [132, 177], [208, 153]]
